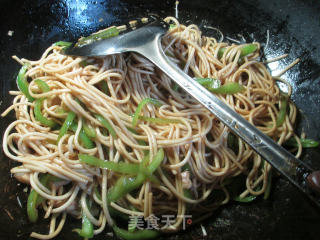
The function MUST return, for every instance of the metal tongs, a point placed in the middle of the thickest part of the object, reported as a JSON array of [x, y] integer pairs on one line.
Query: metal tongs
[[145, 39]]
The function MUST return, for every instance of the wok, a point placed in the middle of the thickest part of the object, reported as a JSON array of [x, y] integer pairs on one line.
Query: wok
[[293, 27]]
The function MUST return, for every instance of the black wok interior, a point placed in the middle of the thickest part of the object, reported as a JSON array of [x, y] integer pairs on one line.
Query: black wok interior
[[294, 27]]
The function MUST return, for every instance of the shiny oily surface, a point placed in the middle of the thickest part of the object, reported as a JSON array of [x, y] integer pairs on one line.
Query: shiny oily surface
[[293, 28]]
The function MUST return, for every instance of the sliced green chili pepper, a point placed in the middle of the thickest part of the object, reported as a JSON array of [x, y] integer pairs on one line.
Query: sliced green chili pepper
[[209, 82], [38, 103], [248, 49], [233, 143], [306, 143], [136, 235], [175, 87], [106, 124], [159, 120], [145, 161], [108, 33], [90, 131], [245, 50], [83, 63], [65, 126], [221, 52], [39, 117], [34, 199], [214, 85], [186, 167], [85, 140], [148, 176], [283, 110], [143, 143], [120, 167], [182, 64], [87, 228], [104, 87], [171, 26], [187, 193], [22, 83], [156, 161], [228, 88], [140, 106], [42, 85], [31, 206], [249, 198], [132, 130], [62, 44], [60, 110], [125, 184]]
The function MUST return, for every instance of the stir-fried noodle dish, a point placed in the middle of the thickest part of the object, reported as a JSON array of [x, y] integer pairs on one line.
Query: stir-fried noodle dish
[[113, 141]]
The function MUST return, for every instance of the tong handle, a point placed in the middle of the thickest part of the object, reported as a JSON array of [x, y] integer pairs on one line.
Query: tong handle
[[288, 165]]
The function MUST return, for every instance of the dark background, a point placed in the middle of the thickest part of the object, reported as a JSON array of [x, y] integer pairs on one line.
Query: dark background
[[294, 27]]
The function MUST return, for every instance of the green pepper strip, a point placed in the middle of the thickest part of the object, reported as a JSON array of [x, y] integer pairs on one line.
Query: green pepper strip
[[221, 52], [186, 167], [248, 49], [283, 110], [209, 82], [171, 26], [159, 120], [233, 143], [86, 141], [187, 193], [67, 123], [136, 235], [87, 228], [227, 88], [106, 124], [149, 176], [34, 199], [156, 161], [125, 185], [22, 83], [175, 87], [245, 50], [62, 44], [104, 88], [60, 110], [90, 131], [39, 117], [140, 106], [120, 167], [306, 143], [42, 85], [108, 33], [249, 198], [83, 63], [38, 103]]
